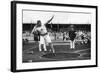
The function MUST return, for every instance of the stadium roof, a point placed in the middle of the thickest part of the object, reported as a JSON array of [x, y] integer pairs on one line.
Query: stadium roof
[[60, 18]]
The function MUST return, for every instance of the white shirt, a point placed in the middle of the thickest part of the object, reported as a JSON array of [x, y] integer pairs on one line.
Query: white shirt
[[42, 29]]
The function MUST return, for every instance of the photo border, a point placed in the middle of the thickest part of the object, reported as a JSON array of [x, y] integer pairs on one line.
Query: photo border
[[13, 34]]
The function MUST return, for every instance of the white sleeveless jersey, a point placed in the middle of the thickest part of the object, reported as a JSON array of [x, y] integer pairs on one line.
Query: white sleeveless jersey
[[42, 29], [43, 39]]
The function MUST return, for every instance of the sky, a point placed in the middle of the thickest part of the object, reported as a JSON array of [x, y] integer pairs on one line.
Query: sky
[[59, 17]]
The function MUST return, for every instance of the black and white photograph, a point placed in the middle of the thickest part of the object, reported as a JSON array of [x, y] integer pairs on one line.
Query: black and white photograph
[[56, 36], [47, 36]]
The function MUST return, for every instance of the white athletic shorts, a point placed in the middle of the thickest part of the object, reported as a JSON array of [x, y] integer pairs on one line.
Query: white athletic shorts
[[45, 39]]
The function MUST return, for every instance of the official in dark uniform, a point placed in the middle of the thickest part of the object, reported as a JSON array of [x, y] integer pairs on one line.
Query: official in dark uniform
[[72, 35]]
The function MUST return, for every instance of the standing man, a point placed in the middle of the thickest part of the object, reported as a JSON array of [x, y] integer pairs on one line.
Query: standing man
[[44, 35], [72, 35], [64, 36]]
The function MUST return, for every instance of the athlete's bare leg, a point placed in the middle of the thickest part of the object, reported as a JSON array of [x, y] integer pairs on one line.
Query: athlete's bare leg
[[40, 49], [44, 47], [52, 48]]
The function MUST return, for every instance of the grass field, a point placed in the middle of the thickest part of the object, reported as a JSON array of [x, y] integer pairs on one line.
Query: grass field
[[62, 52]]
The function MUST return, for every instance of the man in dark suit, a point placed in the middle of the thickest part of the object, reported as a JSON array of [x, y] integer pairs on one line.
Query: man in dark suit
[[72, 35]]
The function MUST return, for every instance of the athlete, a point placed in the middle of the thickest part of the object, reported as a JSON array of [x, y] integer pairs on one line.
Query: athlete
[[44, 35]]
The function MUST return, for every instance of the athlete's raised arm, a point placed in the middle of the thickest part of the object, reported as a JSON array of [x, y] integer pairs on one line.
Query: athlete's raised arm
[[49, 20]]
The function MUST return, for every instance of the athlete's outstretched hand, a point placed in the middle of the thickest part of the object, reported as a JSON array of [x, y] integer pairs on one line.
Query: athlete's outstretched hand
[[49, 20], [52, 17]]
